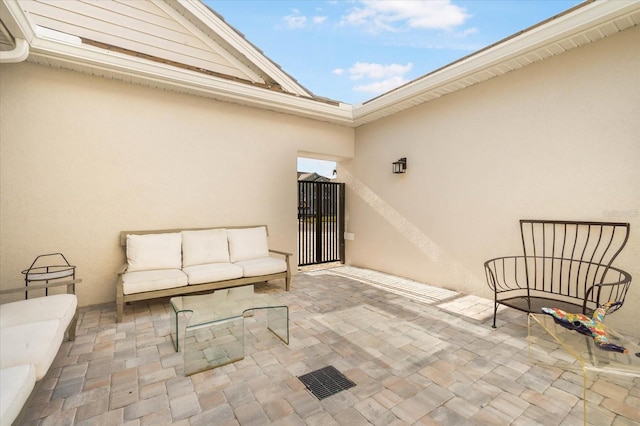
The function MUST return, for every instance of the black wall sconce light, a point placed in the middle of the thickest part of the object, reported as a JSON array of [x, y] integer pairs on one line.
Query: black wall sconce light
[[400, 166]]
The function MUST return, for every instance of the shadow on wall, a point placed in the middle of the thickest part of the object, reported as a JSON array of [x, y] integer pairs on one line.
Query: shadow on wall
[[408, 230]]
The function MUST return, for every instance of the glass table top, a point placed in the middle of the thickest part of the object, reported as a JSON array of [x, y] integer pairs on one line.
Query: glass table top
[[209, 328], [222, 304]]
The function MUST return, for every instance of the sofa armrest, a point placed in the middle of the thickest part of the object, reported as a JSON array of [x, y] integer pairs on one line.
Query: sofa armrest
[[71, 287], [284, 253], [122, 269], [287, 280]]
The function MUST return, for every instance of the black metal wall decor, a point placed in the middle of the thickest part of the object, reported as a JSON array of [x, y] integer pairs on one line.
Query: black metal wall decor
[[400, 166]]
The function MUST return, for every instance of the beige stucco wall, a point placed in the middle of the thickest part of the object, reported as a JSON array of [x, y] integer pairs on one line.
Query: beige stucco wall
[[559, 139], [82, 158]]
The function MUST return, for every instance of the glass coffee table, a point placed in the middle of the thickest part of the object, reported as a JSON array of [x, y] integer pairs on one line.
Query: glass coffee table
[[209, 328], [589, 356]]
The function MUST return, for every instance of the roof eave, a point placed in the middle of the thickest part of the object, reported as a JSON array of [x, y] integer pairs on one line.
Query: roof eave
[[511, 53], [583, 24], [116, 66]]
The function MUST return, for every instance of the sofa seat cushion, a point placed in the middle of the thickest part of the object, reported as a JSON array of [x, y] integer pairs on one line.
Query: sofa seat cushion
[[262, 266], [154, 251], [161, 279], [59, 306], [16, 384], [35, 343], [212, 272], [203, 247], [247, 243]]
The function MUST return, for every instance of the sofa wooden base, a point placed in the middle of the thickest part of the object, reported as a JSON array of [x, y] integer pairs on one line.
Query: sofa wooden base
[[198, 288]]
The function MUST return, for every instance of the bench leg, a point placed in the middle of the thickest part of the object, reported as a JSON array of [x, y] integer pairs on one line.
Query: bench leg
[[119, 310], [287, 278], [72, 327], [495, 313], [119, 299]]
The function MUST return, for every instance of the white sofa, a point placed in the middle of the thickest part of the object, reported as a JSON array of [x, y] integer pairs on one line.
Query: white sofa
[[31, 333], [174, 262]]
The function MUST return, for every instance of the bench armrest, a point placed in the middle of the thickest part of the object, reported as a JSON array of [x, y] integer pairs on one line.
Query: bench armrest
[[506, 273], [613, 290], [614, 277], [70, 287]]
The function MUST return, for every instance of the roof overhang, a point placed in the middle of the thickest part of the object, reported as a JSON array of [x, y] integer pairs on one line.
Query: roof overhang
[[586, 23], [117, 66], [65, 51]]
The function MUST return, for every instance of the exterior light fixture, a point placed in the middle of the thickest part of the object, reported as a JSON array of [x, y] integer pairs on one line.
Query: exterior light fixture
[[400, 166]]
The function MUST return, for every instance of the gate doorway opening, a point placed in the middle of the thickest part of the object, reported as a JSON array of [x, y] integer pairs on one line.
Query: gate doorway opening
[[320, 222]]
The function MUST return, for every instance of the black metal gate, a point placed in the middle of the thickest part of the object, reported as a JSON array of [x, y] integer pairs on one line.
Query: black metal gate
[[320, 222]]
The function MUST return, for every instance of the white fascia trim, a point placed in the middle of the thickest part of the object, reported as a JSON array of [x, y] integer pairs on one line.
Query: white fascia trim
[[562, 27], [15, 20], [238, 42], [18, 54], [228, 90]]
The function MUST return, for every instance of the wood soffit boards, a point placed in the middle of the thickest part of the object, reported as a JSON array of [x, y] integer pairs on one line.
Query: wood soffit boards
[[271, 85], [267, 86]]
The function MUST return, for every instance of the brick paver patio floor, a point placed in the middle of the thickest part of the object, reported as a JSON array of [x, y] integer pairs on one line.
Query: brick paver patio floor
[[418, 355]]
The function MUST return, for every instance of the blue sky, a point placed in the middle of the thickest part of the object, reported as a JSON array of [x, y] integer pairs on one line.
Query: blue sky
[[354, 50]]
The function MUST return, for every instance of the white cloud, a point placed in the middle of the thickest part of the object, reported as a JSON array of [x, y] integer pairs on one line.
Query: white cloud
[[295, 20], [359, 16], [377, 78], [382, 86], [396, 15], [338, 71], [467, 32], [377, 71]]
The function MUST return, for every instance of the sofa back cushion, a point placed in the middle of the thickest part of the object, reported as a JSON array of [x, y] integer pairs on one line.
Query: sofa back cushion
[[202, 247], [154, 251], [247, 243]]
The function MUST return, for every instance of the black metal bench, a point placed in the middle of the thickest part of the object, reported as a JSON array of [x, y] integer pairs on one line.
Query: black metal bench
[[566, 265]]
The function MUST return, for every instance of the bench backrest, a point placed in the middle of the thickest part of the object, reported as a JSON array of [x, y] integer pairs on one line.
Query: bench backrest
[[123, 234], [568, 258]]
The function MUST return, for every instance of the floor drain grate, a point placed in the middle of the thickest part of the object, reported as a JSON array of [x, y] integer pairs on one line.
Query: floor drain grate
[[326, 382]]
